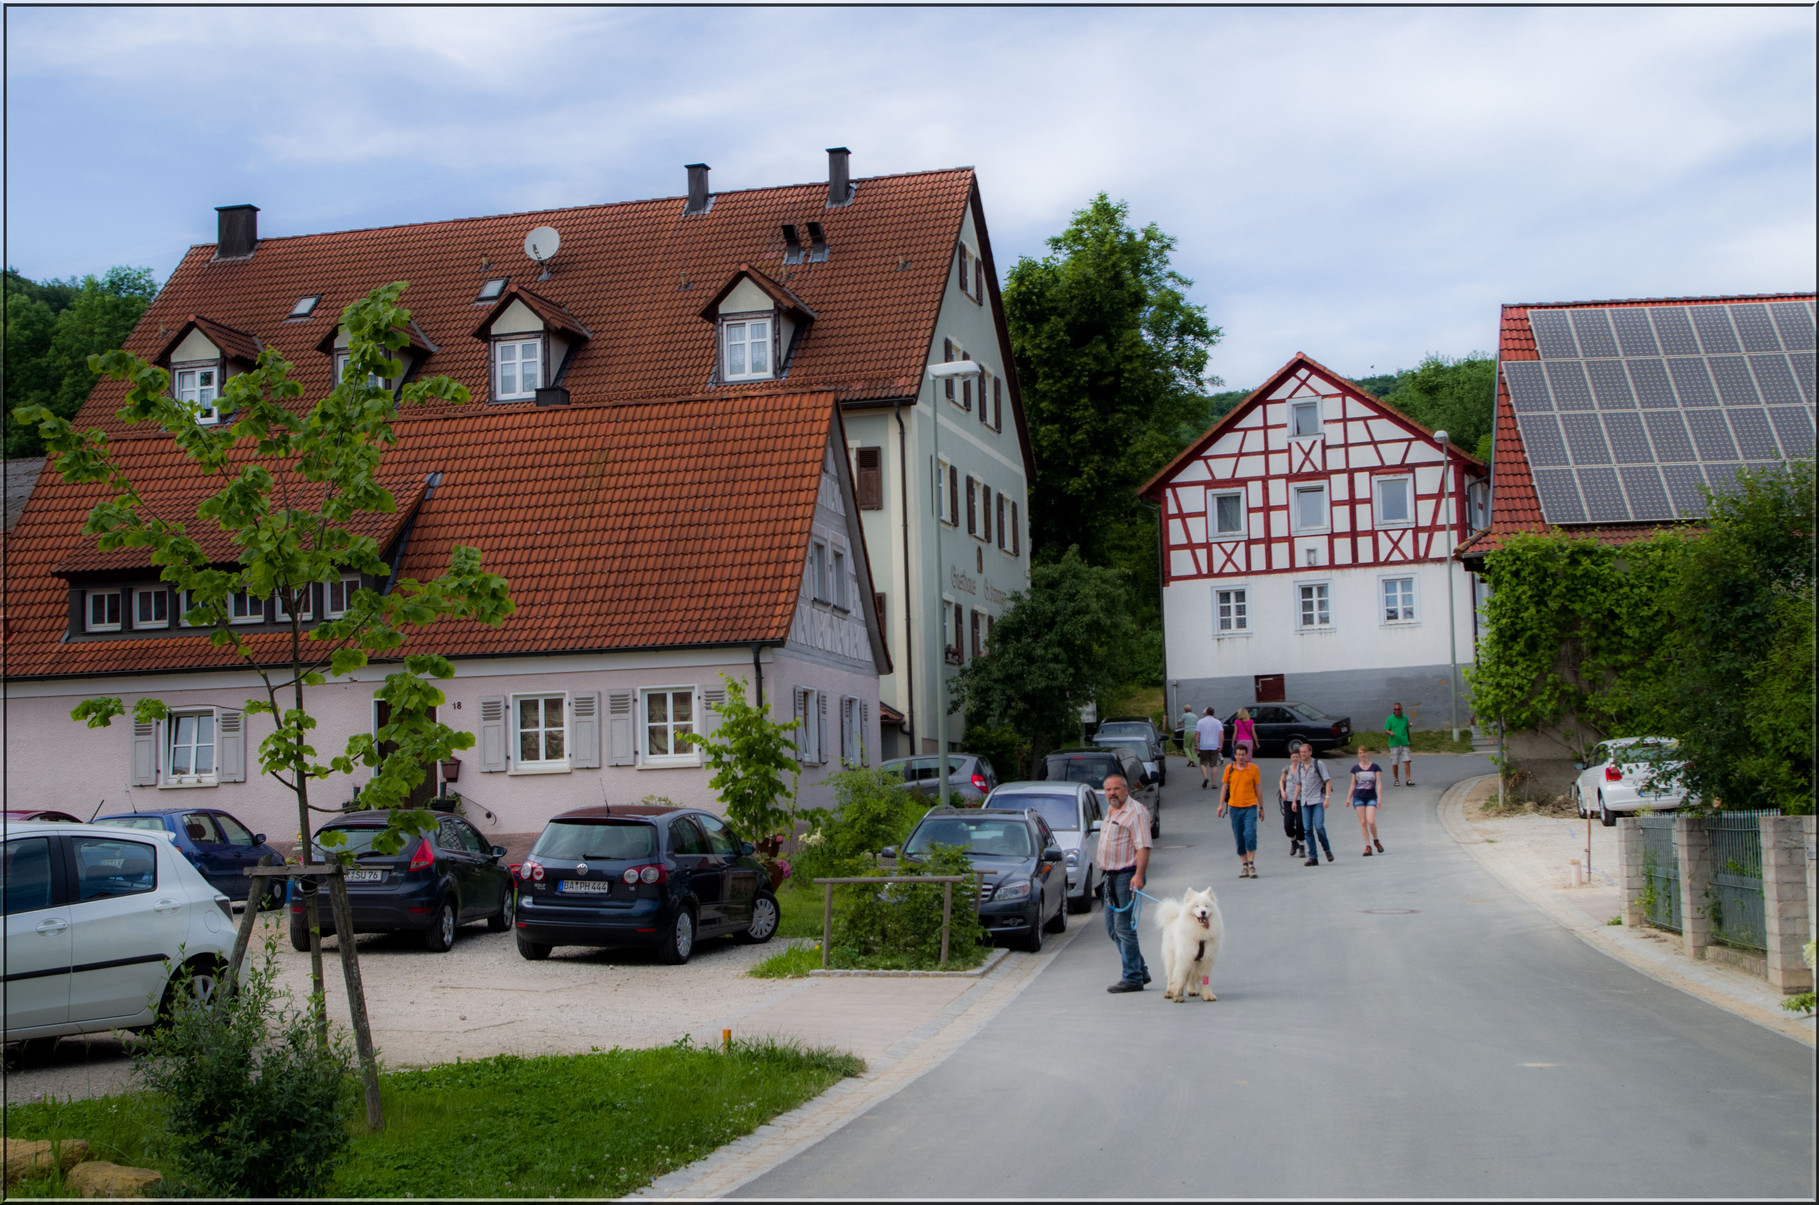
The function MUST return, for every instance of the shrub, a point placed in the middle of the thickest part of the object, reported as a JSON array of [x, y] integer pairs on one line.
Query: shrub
[[872, 809], [253, 1092], [901, 925]]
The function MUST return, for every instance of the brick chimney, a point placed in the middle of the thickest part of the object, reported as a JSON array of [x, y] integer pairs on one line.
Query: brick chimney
[[236, 230], [839, 176], [698, 197]]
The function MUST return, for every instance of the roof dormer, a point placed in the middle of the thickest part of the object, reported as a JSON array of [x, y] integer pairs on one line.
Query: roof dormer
[[758, 323], [200, 356], [411, 356], [530, 341]]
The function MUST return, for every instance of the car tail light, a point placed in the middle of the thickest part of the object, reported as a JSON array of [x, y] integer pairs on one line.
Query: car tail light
[[978, 782], [645, 874], [1336, 730], [425, 857], [631, 875], [1613, 774], [536, 871]]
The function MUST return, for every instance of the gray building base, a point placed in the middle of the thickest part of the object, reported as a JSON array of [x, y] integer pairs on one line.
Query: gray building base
[[1363, 695]]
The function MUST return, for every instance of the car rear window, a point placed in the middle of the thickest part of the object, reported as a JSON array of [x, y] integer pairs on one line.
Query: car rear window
[[154, 824], [359, 839], [1089, 770], [607, 840], [1124, 729], [985, 836], [1061, 811], [1309, 713]]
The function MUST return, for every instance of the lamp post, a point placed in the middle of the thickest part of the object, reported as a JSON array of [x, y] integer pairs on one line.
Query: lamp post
[[1452, 619], [938, 373]]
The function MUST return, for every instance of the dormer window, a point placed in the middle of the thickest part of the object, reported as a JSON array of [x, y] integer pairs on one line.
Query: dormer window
[[198, 387], [746, 347], [517, 368], [305, 306], [492, 289], [103, 611], [341, 359]]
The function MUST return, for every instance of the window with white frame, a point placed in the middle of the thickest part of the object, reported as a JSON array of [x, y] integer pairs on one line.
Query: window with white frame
[[338, 596], [542, 727], [185, 602], [190, 749], [1309, 502], [341, 359], [199, 388], [1316, 606], [1398, 600], [947, 492], [1231, 612], [817, 570], [669, 714], [836, 592], [152, 607], [1304, 418], [517, 368], [745, 349], [103, 611], [242, 607], [852, 732], [1225, 514], [1395, 502], [306, 605]]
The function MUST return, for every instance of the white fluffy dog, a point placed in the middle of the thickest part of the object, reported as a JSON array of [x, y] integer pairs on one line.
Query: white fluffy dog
[[1191, 932]]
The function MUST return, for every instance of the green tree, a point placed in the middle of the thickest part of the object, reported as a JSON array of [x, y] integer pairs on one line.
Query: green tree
[[754, 762], [1112, 361], [291, 484], [52, 329], [1452, 395], [1065, 641]]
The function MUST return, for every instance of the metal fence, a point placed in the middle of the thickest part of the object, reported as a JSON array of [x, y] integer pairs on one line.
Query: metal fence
[[1661, 897], [1736, 905]]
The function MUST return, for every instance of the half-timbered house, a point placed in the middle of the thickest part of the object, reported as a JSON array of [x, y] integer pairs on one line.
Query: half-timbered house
[[1305, 550]]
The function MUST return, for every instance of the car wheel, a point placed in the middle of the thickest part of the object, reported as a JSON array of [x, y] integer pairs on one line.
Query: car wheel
[[1156, 824], [508, 912], [300, 932], [765, 916], [198, 980], [679, 942], [1032, 941], [35, 1052], [1085, 901], [1294, 746], [1606, 817], [1579, 802], [441, 933], [1059, 923], [533, 951]]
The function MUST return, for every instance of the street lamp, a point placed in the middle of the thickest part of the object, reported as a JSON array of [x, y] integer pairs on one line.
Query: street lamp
[[945, 371], [1452, 619]]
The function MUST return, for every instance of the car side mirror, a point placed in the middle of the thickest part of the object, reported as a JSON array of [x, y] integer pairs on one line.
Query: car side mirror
[[747, 848], [258, 838], [1096, 826], [498, 851], [889, 851], [1051, 856]]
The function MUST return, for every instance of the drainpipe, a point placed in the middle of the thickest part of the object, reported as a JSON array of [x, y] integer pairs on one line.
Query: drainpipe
[[909, 660], [1161, 607], [758, 674]]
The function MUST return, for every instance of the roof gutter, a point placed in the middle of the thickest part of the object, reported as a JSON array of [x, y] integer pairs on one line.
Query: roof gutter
[[909, 657]]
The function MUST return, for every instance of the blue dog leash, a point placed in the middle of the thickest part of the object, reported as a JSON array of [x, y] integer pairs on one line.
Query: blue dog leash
[[1137, 896]]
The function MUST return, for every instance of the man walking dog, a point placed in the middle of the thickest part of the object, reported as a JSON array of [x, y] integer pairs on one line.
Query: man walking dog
[[1124, 856]]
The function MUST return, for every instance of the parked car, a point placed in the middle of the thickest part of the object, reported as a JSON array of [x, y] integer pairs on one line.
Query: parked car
[[1284, 727], [438, 882], [641, 876], [1023, 893], [1072, 812], [49, 815], [215, 842], [1148, 749], [970, 778], [1126, 725], [101, 925], [1093, 766], [1632, 774]]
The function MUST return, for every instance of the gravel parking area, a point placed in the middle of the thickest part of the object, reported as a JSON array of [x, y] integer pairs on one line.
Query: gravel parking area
[[478, 999]]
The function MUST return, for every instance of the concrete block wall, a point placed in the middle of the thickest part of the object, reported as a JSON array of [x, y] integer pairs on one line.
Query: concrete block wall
[[1630, 871], [1785, 902], [1693, 852]]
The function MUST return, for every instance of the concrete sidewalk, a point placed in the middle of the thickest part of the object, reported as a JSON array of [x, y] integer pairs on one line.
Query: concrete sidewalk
[[1532, 856]]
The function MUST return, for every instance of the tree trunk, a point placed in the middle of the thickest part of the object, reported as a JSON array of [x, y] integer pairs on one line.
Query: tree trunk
[[356, 1001]]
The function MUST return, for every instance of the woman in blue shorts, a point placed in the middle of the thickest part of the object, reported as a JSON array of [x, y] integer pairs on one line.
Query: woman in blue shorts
[[1363, 798]]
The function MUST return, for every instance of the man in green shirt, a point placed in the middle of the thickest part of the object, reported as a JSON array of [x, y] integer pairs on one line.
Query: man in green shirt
[[1396, 724]]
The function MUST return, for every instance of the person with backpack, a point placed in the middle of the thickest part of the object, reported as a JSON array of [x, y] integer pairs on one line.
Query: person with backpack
[[1363, 798], [1287, 787], [1312, 787]]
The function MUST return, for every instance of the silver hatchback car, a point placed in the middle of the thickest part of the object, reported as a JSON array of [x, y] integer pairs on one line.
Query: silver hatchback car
[[1073, 813]]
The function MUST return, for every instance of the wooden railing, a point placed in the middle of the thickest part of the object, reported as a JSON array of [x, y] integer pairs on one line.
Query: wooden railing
[[947, 882]]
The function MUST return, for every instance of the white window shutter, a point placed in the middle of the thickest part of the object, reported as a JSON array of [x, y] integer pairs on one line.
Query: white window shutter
[[821, 727], [230, 755], [799, 699], [584, 730], [619, 728], [712, 699], [492, 734], [865, 728], [145, 755]]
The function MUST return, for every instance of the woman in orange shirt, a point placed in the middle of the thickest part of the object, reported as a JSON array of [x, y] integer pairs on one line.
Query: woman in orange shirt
[[1242, 797]]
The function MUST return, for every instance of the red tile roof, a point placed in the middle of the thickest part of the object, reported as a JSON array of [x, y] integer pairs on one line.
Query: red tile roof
[[664, 524], [1515, 507], [235, 344]]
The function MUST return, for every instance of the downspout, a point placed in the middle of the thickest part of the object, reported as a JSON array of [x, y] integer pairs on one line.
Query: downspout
[[1161, 606], [909, 660], [758, 674]]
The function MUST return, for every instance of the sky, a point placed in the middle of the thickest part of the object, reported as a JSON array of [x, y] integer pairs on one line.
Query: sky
[[1363, 185]]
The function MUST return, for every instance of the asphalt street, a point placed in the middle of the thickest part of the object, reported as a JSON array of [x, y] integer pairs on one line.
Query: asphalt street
[[1400, 1025]]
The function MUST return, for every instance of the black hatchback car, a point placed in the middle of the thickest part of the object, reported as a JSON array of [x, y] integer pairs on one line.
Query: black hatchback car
[[641, 876], [1283, 726], [439, 882], [1024, 892]]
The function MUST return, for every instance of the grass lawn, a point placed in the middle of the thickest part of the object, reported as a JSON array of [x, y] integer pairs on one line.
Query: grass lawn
[[796, 961], [587, 1125]]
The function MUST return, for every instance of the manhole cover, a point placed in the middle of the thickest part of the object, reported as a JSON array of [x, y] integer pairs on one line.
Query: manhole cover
[[1391, 911]]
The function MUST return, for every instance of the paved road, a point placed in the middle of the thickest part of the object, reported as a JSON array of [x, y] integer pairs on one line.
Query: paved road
[[1394, 1026]]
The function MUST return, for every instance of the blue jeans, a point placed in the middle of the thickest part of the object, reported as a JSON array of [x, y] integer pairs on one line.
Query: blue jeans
[[1313, 818], [1118, 924], [1244, 829]]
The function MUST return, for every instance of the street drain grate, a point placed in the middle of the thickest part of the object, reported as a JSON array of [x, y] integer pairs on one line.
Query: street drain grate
[[1391, 911]]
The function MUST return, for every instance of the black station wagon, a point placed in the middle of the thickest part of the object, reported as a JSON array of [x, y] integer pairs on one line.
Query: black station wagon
[[641, 876]]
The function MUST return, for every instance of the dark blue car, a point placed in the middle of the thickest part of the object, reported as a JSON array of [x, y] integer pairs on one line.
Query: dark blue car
[[218, 845]]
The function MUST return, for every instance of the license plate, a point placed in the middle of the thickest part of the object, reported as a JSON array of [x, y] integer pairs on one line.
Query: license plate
[[584, 887], [365, 876]]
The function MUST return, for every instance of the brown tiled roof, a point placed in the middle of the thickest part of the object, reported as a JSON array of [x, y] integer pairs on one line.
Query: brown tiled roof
[[234, 344], [667, 524], [554, 314], [633, 273], [1515, 507], [785, 299]]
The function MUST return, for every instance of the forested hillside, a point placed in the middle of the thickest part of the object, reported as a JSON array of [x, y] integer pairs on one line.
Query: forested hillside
[[52, 327]]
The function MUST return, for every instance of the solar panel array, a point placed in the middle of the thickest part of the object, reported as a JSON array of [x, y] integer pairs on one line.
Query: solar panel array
[[1631, 410]]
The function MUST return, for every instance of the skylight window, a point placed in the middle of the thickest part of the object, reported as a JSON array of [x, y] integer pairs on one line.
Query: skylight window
[[305, 306], [491, 289]]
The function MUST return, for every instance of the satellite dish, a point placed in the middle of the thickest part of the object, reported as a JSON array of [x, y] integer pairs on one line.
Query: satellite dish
[[542, 243]]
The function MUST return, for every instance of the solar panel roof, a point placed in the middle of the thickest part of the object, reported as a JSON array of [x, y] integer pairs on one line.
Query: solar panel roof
[[1678, 396]]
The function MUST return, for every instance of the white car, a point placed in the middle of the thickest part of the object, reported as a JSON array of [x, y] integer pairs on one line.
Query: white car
[[1632, 774], [99, 921], [1073, 814]]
